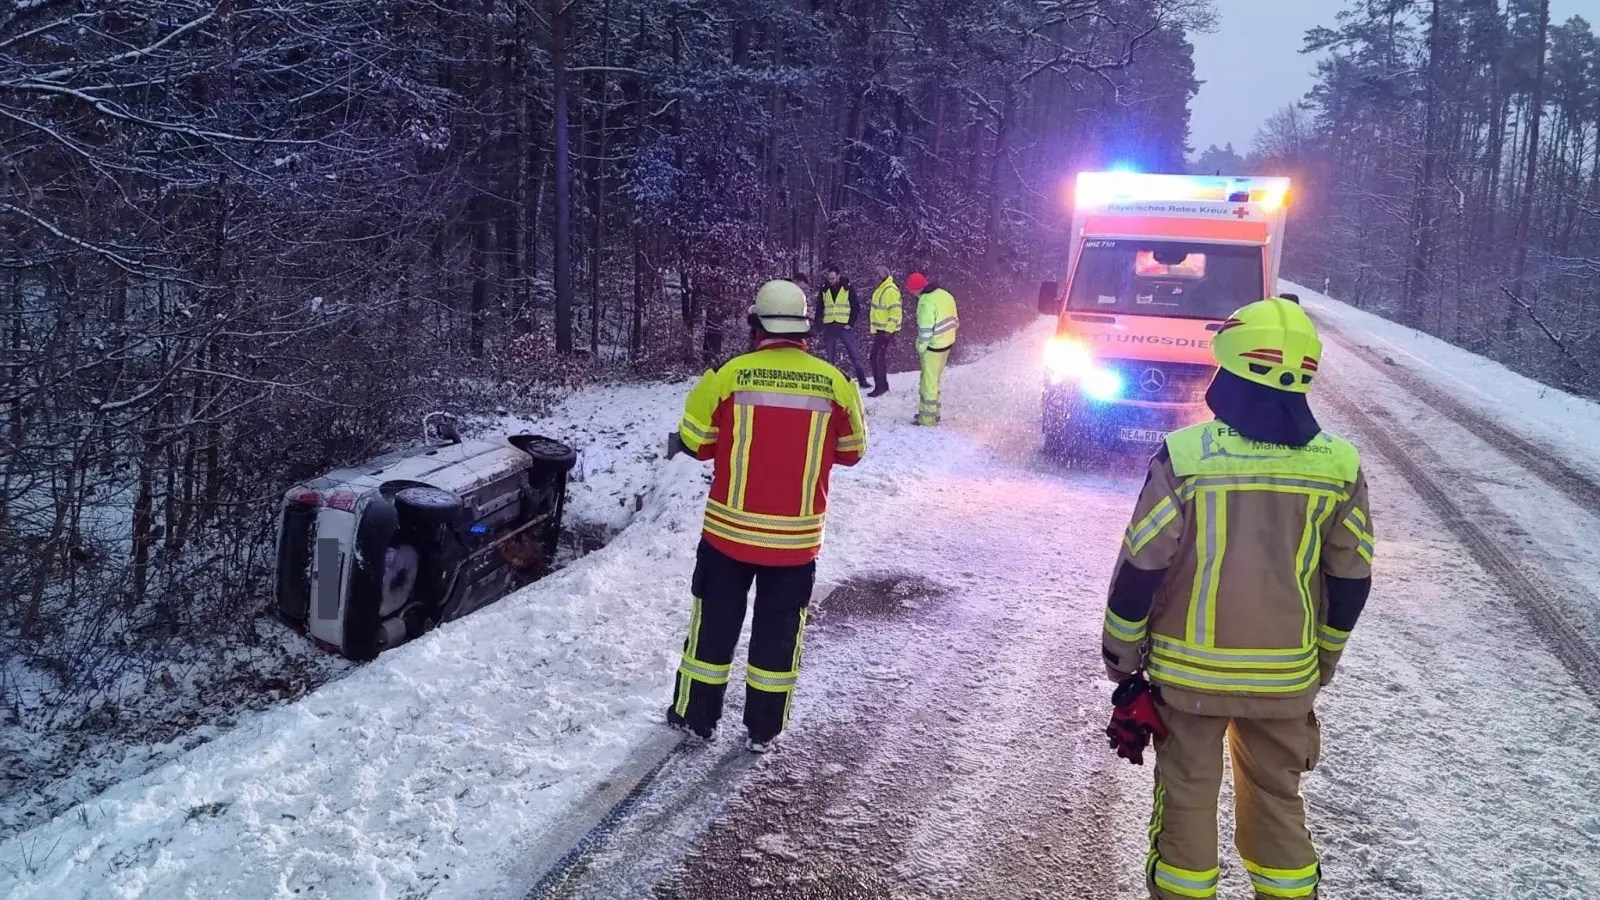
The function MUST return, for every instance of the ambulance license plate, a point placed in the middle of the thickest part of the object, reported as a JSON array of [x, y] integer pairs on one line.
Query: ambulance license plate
[[1141, 435]]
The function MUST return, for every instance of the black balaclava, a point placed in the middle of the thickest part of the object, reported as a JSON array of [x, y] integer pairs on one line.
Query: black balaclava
[[1262, 413]]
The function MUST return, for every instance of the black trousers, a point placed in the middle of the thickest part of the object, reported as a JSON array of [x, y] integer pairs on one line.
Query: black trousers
[[721, 589], [835, 334], [880, 360]]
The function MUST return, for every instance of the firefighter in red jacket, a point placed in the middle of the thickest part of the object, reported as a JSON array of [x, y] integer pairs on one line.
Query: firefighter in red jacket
[[775, 421]]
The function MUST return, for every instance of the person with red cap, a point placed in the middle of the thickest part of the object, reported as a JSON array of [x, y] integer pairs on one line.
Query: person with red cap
[[936, 337]]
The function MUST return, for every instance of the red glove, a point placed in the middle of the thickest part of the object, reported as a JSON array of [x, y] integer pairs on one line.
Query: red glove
[[1134, 719]]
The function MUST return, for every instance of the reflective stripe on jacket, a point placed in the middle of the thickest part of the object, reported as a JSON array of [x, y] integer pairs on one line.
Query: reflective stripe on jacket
[[775, 421], [885, 314], [837, 307], [1245, 532], [936, 320]]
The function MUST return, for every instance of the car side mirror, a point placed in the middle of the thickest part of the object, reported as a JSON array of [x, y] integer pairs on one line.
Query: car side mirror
[[1049, 301]]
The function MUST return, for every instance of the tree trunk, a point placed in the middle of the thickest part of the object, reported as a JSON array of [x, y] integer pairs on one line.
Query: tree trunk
[[1422, 203], [1522, 236], [482, 273], [563, 185], [636, 327], [516, 152], [144, 516], [597, 187], [485, 267], [997, 171]]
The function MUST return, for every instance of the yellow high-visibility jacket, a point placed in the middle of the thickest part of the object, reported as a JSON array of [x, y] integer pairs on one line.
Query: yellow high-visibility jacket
[[886, 314], [936, 321], [838, 308]]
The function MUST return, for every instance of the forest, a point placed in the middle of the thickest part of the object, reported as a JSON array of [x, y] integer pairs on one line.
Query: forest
[[1448, 162], [242, 242]]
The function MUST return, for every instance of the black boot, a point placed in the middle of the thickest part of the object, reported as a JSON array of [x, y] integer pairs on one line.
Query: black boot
[[681, 724]]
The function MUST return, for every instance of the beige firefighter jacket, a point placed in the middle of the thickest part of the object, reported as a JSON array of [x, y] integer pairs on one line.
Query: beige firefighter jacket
[[1245, 532]]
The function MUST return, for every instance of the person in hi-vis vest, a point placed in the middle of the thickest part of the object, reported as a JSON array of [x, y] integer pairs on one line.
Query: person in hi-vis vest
[[936, 337], [1243, 571], [884, 315], [839, 307]]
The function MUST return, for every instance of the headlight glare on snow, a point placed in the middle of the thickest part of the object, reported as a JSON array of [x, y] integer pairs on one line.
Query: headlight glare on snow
[[1102, 384], [1066, 358]]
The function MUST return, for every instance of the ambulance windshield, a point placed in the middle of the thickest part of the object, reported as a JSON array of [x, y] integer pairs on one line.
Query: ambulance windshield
[[1164, 278]]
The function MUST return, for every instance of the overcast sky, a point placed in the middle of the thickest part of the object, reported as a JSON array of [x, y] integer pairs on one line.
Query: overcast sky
[[1252, 64]]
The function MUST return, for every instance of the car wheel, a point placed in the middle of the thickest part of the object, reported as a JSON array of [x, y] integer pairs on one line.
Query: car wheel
[[1061, 436], [427, 505], [399, 578], [547, 453]]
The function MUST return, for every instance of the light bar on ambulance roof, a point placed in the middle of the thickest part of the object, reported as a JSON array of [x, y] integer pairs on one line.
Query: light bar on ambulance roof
[[1104, 188]]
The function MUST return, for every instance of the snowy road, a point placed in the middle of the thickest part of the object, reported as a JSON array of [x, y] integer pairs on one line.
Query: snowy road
[[946, 738], [943, 752], [953, 750]]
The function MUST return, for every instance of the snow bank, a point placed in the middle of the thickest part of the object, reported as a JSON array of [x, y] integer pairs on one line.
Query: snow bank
[[446, 749], [1567, 424], [620, 433], [424, 772], [1545, 524]]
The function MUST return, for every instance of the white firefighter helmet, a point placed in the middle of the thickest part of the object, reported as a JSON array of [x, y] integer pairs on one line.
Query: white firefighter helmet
[[781, 307]]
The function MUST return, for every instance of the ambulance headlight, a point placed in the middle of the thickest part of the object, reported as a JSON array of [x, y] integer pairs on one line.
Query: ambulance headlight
[[1067, 359], [1102, 384]]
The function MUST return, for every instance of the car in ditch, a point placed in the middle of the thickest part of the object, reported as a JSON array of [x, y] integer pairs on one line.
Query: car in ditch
[[373, 555]]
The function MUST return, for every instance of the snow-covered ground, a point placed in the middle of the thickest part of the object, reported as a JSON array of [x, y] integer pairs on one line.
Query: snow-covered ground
[[1550, 527], [1568, 424], [148, 713], [147, 716], [431, 771]]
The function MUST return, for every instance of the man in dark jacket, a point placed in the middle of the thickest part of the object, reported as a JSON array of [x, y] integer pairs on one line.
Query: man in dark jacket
[[838, 307]]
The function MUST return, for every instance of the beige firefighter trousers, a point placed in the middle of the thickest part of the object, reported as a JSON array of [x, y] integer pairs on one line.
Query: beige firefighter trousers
[[1269, 756]]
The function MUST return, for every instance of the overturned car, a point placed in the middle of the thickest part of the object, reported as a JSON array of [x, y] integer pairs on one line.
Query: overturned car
[[373, 555]]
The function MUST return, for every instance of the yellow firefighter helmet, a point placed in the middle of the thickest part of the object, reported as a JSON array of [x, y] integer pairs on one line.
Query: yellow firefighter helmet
[[1271, 342]]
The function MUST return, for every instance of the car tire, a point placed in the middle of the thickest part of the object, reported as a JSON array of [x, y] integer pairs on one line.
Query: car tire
[[1061, 436], [400, 565], [549, 454], [427, 506]]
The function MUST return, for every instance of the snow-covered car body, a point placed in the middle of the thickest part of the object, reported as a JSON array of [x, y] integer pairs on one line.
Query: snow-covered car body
[[372, 555]]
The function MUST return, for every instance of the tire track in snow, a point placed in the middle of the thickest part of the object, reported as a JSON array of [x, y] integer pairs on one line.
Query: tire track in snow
[[942, 788], [1460, 509], [1578, 485], [965, 759]]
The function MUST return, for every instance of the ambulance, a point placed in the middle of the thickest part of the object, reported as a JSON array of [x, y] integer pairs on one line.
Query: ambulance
[[1156, 263]]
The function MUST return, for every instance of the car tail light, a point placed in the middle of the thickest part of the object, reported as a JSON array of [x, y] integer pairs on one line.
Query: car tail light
[[345, 500]]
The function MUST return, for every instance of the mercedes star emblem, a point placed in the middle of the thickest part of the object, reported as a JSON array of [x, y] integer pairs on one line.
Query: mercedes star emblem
[[1152, 380]]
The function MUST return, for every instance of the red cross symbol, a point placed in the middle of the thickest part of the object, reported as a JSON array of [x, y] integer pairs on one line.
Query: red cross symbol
[[1242, 212]]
